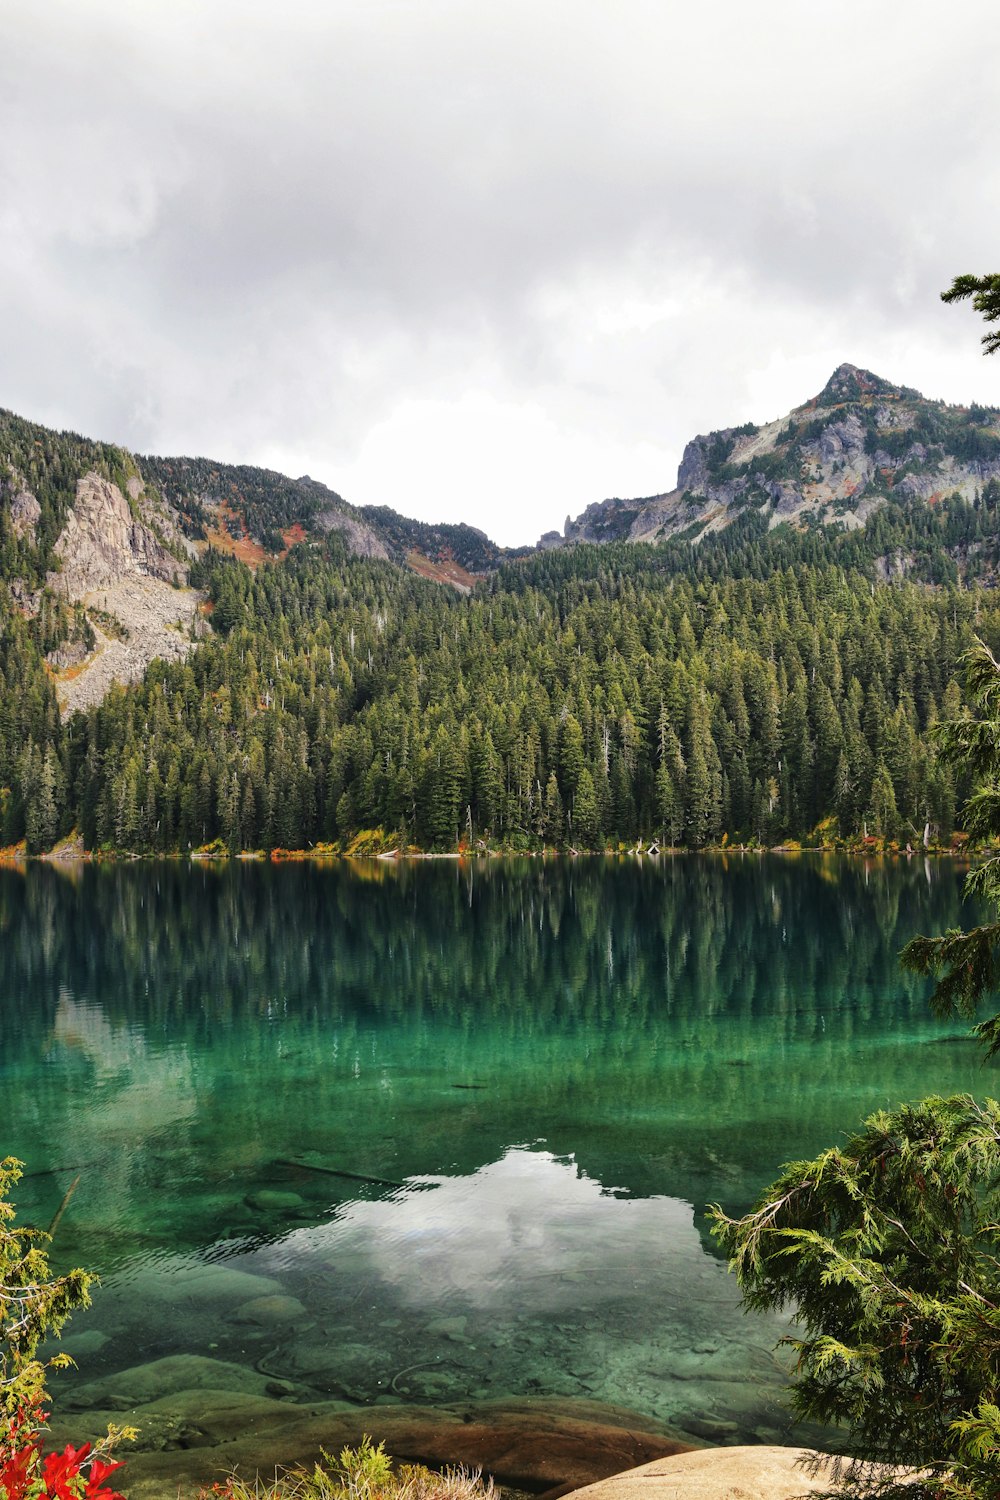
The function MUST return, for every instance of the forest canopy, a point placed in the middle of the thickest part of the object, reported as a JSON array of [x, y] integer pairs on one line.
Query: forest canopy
[[585, 699]]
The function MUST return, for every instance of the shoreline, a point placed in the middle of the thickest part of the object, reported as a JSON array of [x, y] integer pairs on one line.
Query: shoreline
[[61, 856], [545, 1446]]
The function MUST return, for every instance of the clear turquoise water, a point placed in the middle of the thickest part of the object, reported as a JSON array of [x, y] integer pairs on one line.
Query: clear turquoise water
[[464, 1119]]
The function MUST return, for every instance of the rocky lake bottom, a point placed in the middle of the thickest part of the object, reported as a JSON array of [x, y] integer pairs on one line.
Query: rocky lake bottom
[[451, 1301]]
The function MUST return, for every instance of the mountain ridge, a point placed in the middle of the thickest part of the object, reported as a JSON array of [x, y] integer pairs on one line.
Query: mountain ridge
[[833, 460], [777, 681], [96, 543], [100, 541]]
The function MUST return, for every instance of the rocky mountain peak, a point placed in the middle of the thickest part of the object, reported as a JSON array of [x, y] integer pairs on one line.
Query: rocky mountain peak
[[833, 460], [851, 383]]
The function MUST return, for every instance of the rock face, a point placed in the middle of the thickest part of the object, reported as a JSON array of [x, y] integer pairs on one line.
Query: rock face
[[360, 540], [115, 563], [833, 460], [103, 542], [25, 513], [604, 521], [152, 619]]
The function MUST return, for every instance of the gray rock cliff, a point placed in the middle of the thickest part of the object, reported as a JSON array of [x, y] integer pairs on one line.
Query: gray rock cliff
[[25, 513], [104, 542]]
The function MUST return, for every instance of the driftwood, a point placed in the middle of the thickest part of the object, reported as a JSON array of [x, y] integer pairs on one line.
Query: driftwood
[[64, 1204], [312, 1166]]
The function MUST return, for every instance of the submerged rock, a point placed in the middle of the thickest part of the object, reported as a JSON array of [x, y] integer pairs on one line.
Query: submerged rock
[[79, 1345], [197, 1434], [208, 1283], [713, 1430], [165, 1377], [329, 1364], [448, 1328], [275, 1308], [270, 1199]]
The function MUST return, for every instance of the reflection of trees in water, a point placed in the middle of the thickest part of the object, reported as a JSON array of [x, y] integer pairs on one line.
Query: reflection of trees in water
[[680, 1025], [540, 943]]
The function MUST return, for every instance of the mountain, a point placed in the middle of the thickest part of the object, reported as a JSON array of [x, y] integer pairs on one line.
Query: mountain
[[97, 544], [233, 503], [239, 508], [771, 669], [108, 558], [835, 460], [229, 504]]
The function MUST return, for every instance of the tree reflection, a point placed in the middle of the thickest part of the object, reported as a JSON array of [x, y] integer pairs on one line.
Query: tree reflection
[[678, 1025]]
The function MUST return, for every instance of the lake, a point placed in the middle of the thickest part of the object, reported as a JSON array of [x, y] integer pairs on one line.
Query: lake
[[430, 1132]]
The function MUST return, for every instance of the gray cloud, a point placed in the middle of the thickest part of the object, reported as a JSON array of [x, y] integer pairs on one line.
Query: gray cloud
[[270, 234]]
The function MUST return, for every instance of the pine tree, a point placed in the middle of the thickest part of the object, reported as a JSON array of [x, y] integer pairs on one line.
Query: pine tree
[[35, 816], [965, 964], [488, 785], [669, 807], [442, 790], [702, 811], [552, 824], [888, 1249], [883, 816], [571, 757], [985, 294], [585, 812]]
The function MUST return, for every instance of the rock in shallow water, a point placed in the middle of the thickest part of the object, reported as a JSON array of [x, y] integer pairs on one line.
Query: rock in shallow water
[[79, 1345], [330, 1363], [270, 1199], [713, 1430], [164, 1377], [180, 1280], [275, 1308], [447, 1328]]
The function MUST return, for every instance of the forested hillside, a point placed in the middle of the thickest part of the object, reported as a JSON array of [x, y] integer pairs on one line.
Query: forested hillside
[[760, 684], [39, 472], [596, 697], [466, 545], [265, 506]]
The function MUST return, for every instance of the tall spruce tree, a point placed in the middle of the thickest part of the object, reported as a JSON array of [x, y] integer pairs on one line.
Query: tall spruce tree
[[888, 1248]]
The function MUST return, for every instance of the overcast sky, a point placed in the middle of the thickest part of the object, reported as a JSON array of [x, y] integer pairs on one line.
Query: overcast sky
[[485, 260]]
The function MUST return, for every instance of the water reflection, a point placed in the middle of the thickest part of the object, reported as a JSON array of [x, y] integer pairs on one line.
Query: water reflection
[[559, 1059], [527, 1221], [524, 1276]]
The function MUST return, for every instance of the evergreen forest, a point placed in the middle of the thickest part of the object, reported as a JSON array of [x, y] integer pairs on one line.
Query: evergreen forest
[[760, 688]]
